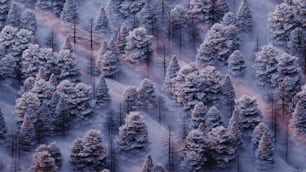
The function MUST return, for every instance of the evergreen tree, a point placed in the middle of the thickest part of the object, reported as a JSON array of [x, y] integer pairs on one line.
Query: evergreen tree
[[28, 21], [297, 41], [4, 10], [146, 92], [69, 66], [287, 89], [244, 17], [195, 151], [198, 114], [3, 129], [43, 5], [202, 11], [133, 135], [221, 8], [70, 12], [299, 96], [53, 150], [301, 11], [146, 17], [108, 63], [264, 153], [233, 131], [148, 164], [123, 33], [13, 17], [178, 17], [298, 119], [219, 43], [138, 46], [102, 94], [229, 19], [57, 6], [27, 134], [281, 22], [250, 115], [228, 94], [28, 84], [212, 119], [171, 73], [67, 45], [258, 132], [130, 100], [101, 23], [42, 161], [88, 153], [236, 64]]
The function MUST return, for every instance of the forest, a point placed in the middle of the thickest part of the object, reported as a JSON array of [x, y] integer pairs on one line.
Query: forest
[[152, 86]]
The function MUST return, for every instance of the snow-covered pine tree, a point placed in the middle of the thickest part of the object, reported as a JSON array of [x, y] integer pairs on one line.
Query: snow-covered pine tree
[[202, 11], [228, 94], [287, 89], [299, 96], [28, 84], [70, 12], [57, 7], [281, 22], [101, 22], [133, 135], [257, 134], [130, 100], [297, 41], [28, 21], [23, 39], [53, 80], [138, 46], [236, 64], [42, 161], [212, 119], [301, 11], [219, 43], [88, 153], [178, 17], [121, 42], [3, 128], [146, 92], [148, 164], [27, 134], [44, 123], [55, 153], [43, 5], [102, 96], [298, 119], [233, 131], [220, 9], [146, 17], [108, 63], [266, 64], [4, 10], [244, 17], [67, 45], [264, 153], [13, 17], [198, 114], [195, 151], [250, 115], [171, 73], [229, 19], [69, 66]]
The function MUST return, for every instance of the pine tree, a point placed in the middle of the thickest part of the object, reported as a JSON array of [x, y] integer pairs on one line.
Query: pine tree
[[221, 8], [236, 64], [148, 164], [27, 134], [101, 23], [219, 43], [108, 63], [4, 10], [13, 17], [244, 17], [88, 153], [102, 94], [3, 128], [250, 115], [130, 100], [233, 131], [287, 89], [178, 17], [202, 10], [146, 92], [55, 153], [198, 114], [228, 94], [229, 19], [212, 119], [69, 66], [42, 161], [301, 11], [299, 96], [133, 135], [28, 21], [146, 17], [281, 22], [123, 33], [259, 130], [43, 5], [138, 46], [28, 84], [264, 153], [67, 45], [195, 150], [171, 73], [298, 119], [297, 41], [57, 6], [70, 12]]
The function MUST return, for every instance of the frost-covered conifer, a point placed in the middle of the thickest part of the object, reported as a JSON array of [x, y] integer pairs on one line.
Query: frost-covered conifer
[[299, 96], [281, 22], [195, 150], [57, 6], [101, 23], [212, 119], [236, 64], [28, 21], [264, 153], [43, 5], [201, 10], [171, 73], [198, 114], [54, 152], [102, 95], [250, 115], [146, 92], [133, 135], [298, 119], [121, 43], [28, 84], [4, 10], [148, 164], [233, 130], [67, 45], [229, 19], [258, 132], [146, 17], [244, 17], [178, 17], [42, 161], [287, 89], [138, 46], [27, 134], [70, 12], [297, 41], [69, 66], [108, 63], [3, 128], [219, 43], [301, 11], [221, 8], [13, 17], [130, 100], [228, 94], [88, 153]]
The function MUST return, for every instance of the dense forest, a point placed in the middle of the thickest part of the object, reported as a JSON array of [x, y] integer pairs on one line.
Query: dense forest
[[152, 86]]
